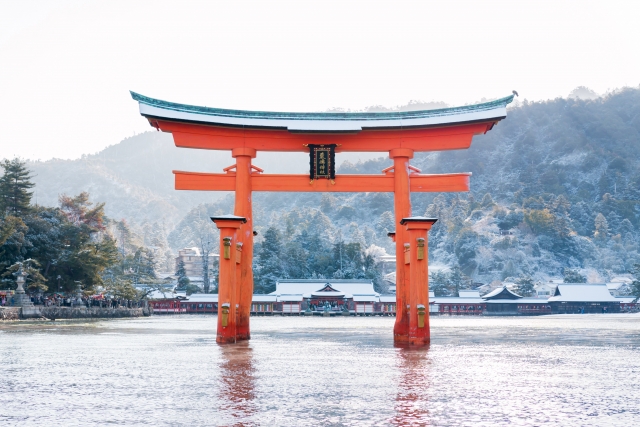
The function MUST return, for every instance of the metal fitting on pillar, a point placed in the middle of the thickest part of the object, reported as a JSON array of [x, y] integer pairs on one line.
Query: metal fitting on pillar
[[420, 245], [225, 314], [227, 247], [421, 314]]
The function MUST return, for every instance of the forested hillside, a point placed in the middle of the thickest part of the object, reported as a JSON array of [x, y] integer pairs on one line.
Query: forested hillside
[[555, 185]]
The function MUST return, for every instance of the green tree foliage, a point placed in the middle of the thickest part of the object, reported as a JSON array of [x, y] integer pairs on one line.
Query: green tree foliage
[[635, 285], [540, 220], [572, 276], [439, 283], [307, 255], [525, 287], [269, 262], [62, 247], [181, 273], [35, 280], [448, 283], [15, 183]]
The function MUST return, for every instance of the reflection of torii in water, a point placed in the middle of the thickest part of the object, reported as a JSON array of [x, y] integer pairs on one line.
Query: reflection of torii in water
[[413, 386], [237, 391], [398, 133]]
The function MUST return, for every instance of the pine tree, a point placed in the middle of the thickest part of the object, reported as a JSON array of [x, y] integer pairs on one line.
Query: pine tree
[[525, 287], [635, 285], [269, 262], [15, 198], [181, 272], [572, 276]]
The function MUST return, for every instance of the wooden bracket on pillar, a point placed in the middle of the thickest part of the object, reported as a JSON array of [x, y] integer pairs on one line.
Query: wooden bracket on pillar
[[407, 253]]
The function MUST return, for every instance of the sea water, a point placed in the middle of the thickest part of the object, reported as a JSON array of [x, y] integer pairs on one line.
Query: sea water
[[565, 370]]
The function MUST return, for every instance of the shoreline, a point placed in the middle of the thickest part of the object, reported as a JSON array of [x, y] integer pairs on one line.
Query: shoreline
[[8, 314]]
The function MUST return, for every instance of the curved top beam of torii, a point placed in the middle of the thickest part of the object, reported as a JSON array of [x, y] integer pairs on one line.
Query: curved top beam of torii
[[323, 122], [224, 129]]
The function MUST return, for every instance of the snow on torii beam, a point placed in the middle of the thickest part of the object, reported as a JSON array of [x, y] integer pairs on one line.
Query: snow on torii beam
[[225, 129], [343, 183]]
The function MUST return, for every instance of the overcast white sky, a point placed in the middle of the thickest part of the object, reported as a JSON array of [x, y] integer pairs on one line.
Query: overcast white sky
[[66, 66]]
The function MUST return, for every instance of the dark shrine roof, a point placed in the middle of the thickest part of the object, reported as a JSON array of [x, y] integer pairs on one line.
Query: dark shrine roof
[[501, 293], [327, 288], [323, 122]]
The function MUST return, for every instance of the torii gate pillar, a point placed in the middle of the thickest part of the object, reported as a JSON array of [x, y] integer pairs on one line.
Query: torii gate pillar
[[402, 208], [416, 258], [229, 226], [243, 208]]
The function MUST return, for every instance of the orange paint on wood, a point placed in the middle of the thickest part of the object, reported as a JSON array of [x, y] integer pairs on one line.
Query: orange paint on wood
[[243, 208], [225, 138], [418, 292], [226, 332], [402, 208], [301, 183]]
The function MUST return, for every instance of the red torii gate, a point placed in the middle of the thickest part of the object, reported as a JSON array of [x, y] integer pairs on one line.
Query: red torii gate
[[245, 133]]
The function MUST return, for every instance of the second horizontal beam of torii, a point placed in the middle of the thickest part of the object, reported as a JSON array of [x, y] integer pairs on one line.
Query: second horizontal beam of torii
[[419, 183]]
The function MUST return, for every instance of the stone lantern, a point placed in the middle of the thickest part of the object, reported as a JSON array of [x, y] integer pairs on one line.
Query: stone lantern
[[21, 299]]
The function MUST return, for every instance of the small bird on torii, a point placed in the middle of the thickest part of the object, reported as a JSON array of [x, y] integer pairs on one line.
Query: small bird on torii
[[514, 92]]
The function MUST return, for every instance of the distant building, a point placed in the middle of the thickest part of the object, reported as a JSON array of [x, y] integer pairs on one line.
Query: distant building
[[619, 286], [544, 290], [192, 260], [504, 302], [331, 295], [583, 298]]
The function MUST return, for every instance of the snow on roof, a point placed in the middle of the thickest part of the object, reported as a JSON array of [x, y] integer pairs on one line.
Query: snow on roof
[[468, 293], [202, 298], [503, 290], [544, 285], [432, 294], [323, 122], [327, 294], [457, 300], [290, 298], [214, 298], [348, 288], [263, 298], [387, 298], [582, 292], [366, 298], [623, 279], [161, 295], [518, 301], [626, 300], [614, 286]]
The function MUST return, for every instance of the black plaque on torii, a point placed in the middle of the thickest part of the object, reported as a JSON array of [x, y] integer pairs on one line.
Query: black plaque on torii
[[322, 161]]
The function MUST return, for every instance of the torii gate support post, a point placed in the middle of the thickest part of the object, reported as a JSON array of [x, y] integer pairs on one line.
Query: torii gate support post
[[417, 229], [402, 208], [227, 283], [243, 208]]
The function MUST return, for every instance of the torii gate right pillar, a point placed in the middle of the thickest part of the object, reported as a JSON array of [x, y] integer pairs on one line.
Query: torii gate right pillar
[[402, 208], [416, 258]]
